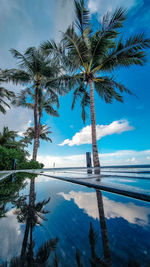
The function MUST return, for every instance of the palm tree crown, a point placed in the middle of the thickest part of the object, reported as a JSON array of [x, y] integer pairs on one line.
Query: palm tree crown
[[43, 134], [36, 72]]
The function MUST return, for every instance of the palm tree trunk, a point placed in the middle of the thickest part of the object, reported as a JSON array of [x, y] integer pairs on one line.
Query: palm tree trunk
[[24, 243], [31, 247], [93, 128], [105, 240], [32, 192], [36, 139]]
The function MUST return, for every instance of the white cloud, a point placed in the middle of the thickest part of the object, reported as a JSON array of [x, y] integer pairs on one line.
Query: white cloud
[[131, 212], [122, 157], [84, 135], [24, 128], [17, 119], [62, 161], [102, 6]]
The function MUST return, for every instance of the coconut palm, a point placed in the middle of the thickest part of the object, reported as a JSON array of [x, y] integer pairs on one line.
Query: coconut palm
[[46, 100], [43, 134], [89, 53], [35, 70], [7, 136], [8, 139], [4, 94]]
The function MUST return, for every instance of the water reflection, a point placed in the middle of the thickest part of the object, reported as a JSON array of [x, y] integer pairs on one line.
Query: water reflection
[[27, 211], [32, 214], [10, 191], [129, 211]]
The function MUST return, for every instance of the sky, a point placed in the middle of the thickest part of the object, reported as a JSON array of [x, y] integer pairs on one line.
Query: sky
[[123, 130]]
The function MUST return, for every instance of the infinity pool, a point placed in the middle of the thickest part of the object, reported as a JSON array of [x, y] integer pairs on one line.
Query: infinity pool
[[48, 222]]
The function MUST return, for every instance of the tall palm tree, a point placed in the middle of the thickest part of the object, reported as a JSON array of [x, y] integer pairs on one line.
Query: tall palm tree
[[35, 70], [4, 94], [88, 54]]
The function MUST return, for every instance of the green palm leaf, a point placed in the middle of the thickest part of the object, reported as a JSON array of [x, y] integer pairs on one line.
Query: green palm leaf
[[82, 15], [45, 250]]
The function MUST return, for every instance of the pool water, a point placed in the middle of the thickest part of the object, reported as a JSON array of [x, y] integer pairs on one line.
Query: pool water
[[48, 222]]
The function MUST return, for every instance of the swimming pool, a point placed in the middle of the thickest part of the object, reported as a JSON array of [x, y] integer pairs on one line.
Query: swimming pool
[[48, 221]]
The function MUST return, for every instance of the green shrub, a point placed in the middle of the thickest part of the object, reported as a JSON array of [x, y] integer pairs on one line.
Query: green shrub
[[8, 155], [30, 165]]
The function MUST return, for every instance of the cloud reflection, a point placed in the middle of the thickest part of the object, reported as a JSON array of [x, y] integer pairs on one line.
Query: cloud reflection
[[131, 212], [10, 236]]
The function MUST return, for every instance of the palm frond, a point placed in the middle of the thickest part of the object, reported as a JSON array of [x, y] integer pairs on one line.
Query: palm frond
[[79, 91], [21, 99], [82, 15], [127, 53], [107, 88], [3, 103], [29, 134], [103, 40], [17, 76], [116, 20], [23, 62], [50, 110], [2, 109], [45, 250], [78, 50]]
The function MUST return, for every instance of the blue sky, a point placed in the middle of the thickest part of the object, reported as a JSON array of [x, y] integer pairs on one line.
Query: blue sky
[[123, 129]]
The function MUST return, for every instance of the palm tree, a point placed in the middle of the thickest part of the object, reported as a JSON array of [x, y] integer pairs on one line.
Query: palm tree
[[88, 54], [8, 140], [46, 100], [4, 93], [7, 136], [43, 134], [35, 70]]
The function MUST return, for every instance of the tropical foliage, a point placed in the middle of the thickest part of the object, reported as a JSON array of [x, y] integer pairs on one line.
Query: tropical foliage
[[84, 61], [12, 149], [90, 53], [41, 94], [43, 134], [4, 94], [9, 192], [8, 139]]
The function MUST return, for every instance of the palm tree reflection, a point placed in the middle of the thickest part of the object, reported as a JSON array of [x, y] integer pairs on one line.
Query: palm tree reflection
[[32, 214], [104, 233]]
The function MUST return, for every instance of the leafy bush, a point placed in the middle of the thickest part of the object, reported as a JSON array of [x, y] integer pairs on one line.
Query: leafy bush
[[8, 155], [30, 165]]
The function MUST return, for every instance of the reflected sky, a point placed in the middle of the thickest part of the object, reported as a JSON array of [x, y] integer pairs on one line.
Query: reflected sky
[[70, 211], [10, 236], [130, 211]]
